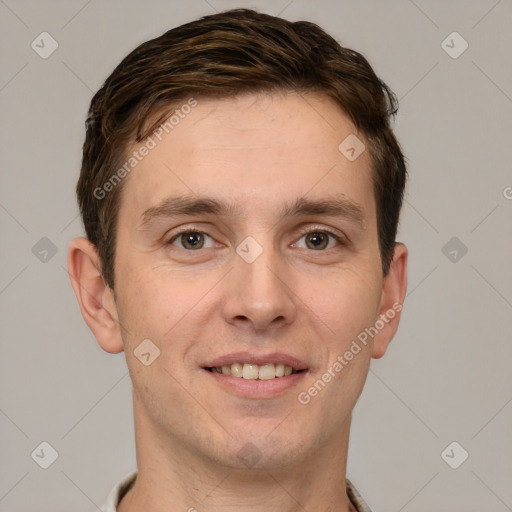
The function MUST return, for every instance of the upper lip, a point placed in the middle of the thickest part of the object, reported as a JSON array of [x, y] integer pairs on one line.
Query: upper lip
[[259, 359]]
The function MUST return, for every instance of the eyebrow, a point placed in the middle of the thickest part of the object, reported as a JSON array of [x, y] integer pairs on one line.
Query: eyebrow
[[336, 206]]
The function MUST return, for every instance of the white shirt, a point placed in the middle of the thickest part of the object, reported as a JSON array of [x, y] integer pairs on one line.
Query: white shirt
[[124, 485]]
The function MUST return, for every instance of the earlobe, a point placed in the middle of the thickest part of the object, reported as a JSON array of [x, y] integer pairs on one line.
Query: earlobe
[[94, 297], [394, 289]]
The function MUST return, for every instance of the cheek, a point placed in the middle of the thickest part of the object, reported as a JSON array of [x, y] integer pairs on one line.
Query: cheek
[[164, 309], [347, 306], [347, 301], [145, 311], [151, 311]]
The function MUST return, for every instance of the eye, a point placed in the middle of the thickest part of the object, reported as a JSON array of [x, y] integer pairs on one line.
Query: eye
[[190, 240], [318, 239]]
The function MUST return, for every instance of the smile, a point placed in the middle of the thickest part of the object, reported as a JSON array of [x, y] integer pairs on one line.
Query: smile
[[251, 371]]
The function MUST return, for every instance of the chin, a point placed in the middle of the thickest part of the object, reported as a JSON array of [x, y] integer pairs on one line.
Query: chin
[[252, 458], [263, 450]]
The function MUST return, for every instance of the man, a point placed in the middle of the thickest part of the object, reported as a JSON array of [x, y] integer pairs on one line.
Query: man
[[240, 191]]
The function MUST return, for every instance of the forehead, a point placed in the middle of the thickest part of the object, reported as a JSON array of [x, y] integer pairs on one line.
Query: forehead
[[257, 149]]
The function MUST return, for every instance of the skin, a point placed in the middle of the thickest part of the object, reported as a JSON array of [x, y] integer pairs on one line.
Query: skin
[[260, 151]]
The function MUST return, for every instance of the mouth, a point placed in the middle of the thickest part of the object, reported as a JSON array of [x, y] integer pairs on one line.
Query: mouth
[[267, 371], [256, 376]]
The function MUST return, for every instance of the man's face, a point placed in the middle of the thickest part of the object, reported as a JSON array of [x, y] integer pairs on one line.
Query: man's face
[[208, 298]]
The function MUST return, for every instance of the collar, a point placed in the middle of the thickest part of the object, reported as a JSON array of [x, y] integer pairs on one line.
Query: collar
[[125, 484]]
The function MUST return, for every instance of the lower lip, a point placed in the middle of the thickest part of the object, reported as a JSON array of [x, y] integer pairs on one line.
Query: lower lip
[[255, 388]]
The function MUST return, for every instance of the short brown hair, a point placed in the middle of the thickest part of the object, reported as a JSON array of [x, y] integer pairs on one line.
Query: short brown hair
[[232, 52]]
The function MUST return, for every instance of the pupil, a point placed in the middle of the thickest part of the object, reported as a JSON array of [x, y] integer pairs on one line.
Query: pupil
[[192, 239], [317, 237]]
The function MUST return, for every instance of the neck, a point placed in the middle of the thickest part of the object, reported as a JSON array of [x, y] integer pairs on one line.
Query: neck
[[173, 475]]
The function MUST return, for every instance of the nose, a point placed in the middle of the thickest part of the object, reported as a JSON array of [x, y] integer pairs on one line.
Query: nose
[[259, 294]]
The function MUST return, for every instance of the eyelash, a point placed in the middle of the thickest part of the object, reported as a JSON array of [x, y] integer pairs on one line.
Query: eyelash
[[315, 229]]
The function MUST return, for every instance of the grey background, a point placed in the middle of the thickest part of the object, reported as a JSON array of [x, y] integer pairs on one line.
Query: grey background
[[446, 376]]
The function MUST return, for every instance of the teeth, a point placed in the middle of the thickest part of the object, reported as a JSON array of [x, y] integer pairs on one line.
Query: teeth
[[251, 371], [267, 372], [236, 370]]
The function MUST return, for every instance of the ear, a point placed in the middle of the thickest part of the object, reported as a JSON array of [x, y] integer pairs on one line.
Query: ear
[[394, 287], [95, 298]]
